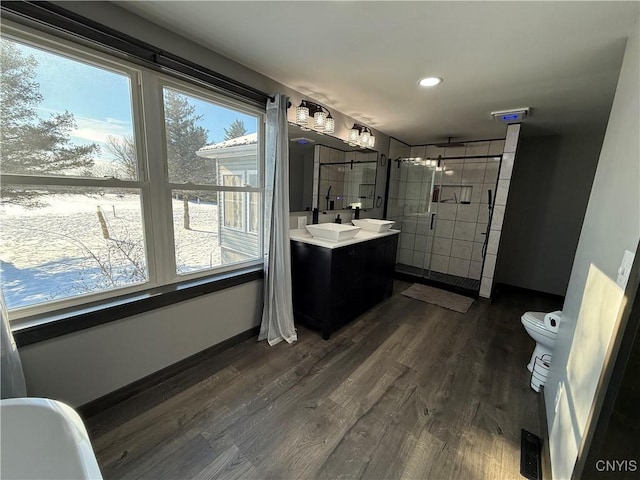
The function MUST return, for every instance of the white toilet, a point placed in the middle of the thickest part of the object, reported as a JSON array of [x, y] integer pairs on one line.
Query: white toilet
[[543, 331]]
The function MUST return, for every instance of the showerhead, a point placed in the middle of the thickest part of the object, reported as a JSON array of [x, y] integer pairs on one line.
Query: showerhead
[[449, 143]]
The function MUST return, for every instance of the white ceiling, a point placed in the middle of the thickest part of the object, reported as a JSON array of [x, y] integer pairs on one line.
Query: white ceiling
[[364, 59]]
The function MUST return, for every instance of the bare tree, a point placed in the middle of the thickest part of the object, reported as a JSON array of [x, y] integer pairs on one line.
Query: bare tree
[[124, 151]]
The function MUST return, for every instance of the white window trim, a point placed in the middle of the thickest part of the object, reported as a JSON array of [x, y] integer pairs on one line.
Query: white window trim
[[206, 96], [153, 182]]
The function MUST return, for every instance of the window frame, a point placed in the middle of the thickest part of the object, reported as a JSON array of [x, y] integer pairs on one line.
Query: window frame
[[201, 94], [153, 184], [55, 46]]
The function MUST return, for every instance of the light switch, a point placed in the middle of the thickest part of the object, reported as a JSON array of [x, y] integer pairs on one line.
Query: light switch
[[625, 269]]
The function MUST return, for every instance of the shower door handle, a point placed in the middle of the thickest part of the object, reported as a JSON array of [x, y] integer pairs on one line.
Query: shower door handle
[[486, 241], [433, 216]]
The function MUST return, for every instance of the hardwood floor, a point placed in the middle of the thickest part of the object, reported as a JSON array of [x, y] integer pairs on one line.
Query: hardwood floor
[[409, 390]]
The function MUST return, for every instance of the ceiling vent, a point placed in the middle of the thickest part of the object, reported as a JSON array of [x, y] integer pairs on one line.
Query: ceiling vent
[[511, 116]]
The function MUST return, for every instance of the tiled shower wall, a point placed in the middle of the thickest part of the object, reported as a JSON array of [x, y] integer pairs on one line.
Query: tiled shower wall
[[455, 244], [504, 181], [409, 191], [461, 228]]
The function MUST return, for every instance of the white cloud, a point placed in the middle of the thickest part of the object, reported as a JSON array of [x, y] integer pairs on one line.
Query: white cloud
[[95, 130], [117, 121]]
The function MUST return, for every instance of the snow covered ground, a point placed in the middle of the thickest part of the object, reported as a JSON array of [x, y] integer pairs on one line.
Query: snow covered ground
[[58, 250]]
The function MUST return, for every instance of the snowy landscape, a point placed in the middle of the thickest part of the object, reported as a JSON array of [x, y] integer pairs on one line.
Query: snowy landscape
[[61, 241], [58, 250]]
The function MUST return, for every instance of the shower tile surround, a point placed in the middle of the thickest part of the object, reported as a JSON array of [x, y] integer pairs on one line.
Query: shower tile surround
[[502, 193], [459, 234]]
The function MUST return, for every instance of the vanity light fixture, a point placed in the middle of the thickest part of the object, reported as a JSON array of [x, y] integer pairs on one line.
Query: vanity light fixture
[[430, 82], [323, 122], [361, 135]]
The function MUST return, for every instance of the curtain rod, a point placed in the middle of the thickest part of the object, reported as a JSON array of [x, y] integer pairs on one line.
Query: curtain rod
[[61, 19]]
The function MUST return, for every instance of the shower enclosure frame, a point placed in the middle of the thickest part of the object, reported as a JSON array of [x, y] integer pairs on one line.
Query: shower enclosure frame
[[432, 206]]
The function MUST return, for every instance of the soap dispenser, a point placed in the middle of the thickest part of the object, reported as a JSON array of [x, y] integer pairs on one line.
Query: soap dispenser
[[338, 219], [357, 214]]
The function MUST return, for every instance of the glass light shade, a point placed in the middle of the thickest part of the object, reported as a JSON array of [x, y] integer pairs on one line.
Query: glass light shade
[[319, 120], [372, 141], [364, 138], [354, 133], [302, 115], [330, 125]]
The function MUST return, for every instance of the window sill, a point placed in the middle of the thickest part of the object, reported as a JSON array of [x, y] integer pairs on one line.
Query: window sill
[[39, 328]]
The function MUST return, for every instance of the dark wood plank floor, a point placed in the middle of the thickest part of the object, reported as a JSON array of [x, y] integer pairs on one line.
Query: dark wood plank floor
[[409, 390]]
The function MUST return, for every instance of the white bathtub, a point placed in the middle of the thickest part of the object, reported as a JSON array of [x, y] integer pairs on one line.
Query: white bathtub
[[44, 439]]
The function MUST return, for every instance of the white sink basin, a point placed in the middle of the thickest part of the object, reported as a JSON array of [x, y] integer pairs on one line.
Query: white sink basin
[[333, 232], [373, 225], [44, 438]]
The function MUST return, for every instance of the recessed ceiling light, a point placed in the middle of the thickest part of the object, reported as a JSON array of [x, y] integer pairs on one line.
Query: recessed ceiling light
[[430, 81]]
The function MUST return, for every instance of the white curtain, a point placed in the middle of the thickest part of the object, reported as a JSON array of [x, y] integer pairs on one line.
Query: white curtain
[[277, 313], [12, 379]]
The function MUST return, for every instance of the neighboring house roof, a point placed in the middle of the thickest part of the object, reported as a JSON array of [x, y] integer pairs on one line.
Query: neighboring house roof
[[229, 147]]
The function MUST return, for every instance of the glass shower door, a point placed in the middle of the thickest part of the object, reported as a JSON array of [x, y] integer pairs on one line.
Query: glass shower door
[[442, 201], [410, 205]]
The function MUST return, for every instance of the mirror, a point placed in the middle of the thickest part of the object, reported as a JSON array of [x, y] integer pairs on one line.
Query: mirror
[[346, 179], [349, 186]]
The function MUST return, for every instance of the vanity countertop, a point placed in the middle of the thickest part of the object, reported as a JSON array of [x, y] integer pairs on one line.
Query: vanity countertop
[[302, 235]]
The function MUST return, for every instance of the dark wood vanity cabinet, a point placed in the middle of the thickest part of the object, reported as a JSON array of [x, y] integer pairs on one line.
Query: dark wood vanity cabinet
[[332, 286]]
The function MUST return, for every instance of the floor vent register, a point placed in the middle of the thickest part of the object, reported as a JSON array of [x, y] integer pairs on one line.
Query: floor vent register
[[530, 461]]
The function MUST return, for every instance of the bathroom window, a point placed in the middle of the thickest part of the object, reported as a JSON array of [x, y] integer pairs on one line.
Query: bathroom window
[[101, 198], [71, 218], [209, 147]]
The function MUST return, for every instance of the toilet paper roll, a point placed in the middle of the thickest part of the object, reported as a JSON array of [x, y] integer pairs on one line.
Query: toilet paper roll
[[552, 320]]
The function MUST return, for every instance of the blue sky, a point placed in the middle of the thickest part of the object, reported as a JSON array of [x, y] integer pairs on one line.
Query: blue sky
[[100, 101]]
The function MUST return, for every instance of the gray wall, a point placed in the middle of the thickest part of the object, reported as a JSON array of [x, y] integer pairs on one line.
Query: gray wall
[[85, 365], [550, 188], [593, 299], [88, 364]]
